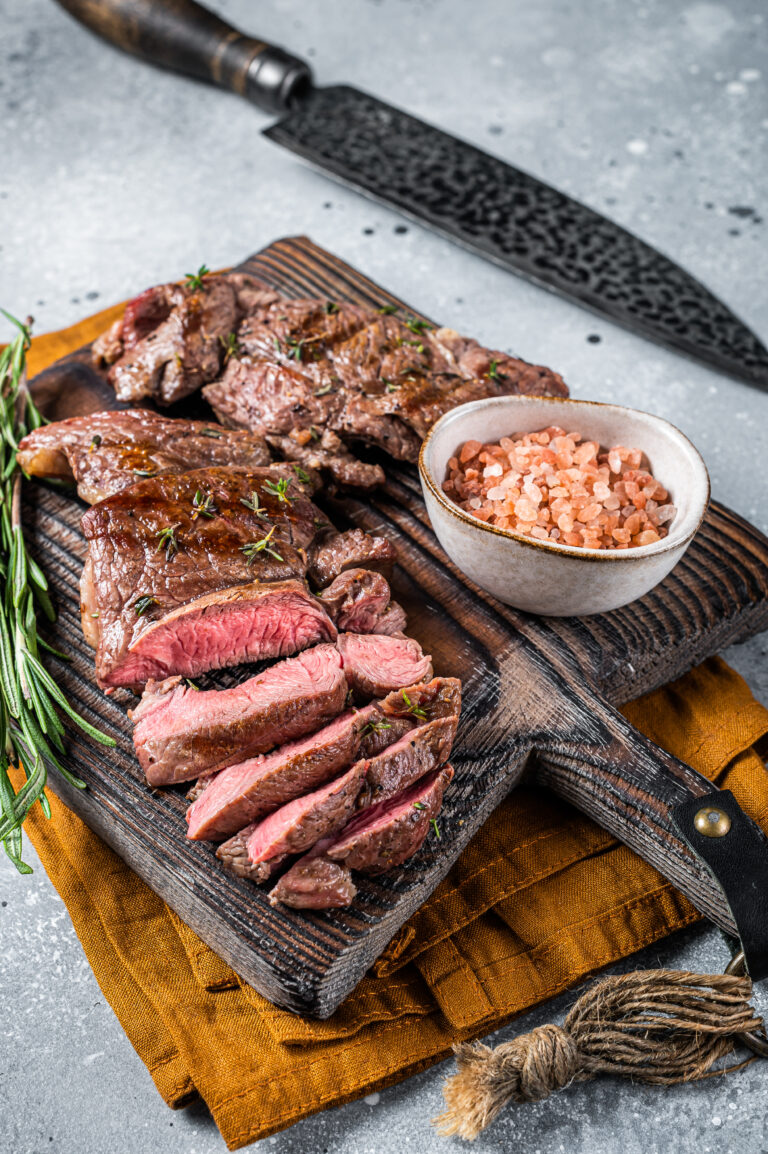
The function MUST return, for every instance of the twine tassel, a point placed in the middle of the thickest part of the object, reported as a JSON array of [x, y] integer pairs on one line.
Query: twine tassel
[[655, 1026]]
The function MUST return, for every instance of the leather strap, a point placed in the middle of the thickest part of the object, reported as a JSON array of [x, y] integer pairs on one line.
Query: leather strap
[[739, 861]]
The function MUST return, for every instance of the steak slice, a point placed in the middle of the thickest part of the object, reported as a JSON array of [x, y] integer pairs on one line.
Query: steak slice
[[233, 855], [334, 552], [297, 826], [440, 697], [315, 883], [181, 733], [401, 764], [244, 792], [106, 452], [172, 540], [375, 664], [328, 456], [392, 621], [388, 833], [357, 600]]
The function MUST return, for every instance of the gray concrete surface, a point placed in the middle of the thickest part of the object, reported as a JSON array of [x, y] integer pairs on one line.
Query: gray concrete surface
[[114, 176]]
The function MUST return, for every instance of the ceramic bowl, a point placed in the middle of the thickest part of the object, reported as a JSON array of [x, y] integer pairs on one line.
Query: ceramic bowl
[[552, 579]]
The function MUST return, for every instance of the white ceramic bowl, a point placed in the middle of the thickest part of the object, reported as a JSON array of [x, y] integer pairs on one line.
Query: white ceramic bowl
[[552, 579]]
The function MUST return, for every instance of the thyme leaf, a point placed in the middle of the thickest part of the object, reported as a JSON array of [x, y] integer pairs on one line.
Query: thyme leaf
[[387, 310], [252, 503], [216, 433], [302, 474], [412, 706], [435, 827], [195, 279], [331, 308], [203, 505], [418, 327], [145, 472], [231, 346], [166, 539], [494, 374], [253, 548], [375, 725], [95, 442], [143, 603], [279, 489]]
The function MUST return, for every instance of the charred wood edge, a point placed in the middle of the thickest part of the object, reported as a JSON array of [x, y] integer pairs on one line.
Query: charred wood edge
[[526, 681]]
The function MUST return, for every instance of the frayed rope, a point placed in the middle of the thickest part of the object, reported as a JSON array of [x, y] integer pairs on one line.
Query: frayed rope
[[656, 1026]]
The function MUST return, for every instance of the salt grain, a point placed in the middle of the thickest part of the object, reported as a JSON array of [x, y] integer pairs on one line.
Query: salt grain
[[555, 486]]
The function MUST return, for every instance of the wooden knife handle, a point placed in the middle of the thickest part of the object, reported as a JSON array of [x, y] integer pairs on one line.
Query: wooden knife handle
[[595, 759], [186, 37]]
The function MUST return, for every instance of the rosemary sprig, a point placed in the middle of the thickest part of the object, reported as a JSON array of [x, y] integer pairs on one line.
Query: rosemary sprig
[[253, 548], [166, 539], [279, 489], [31, 703], [195, 279]]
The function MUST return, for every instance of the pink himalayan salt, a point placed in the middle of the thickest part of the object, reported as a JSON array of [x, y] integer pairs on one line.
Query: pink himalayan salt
[[554, 486]]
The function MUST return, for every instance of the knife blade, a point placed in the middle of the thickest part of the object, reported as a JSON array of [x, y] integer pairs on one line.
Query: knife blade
[[433, 177]]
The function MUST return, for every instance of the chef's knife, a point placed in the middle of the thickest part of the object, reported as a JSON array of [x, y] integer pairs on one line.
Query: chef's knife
[[458, 190]]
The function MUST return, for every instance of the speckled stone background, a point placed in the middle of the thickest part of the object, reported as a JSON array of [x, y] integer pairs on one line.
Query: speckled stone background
[[114, 176]]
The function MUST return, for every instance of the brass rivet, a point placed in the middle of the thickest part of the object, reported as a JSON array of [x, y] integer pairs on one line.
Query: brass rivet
[[712, 822]]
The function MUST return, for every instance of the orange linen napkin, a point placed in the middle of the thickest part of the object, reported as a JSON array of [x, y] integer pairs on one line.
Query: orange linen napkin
[[539, 899]]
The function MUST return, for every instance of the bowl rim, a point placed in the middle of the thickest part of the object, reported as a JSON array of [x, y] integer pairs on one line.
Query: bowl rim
[[577, 552]]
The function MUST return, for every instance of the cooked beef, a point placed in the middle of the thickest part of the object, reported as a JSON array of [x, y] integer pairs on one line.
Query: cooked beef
[[328, 455], [388, 833], [297, 826], [233, 855], [399, 765], [383, 731], [173, 338], [315, 883], [357, 600], [392, 621], [198, 788], [332, 553], [177, 566], [440, 697], [244, 792], [381, 379], [181, 733], [375, 664], [106, 452]]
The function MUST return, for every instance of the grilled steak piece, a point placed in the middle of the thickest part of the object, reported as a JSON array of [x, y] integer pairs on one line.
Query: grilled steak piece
[[392, 621], [315, 883], [244, 792], [173, 338], [382, 731], [297, 826], [233, 855], [382, 379], [106, 452], [181, 733], [399, 765], [440, 697], [375, 664], [388, 833], [328, 455], [176, 571], [357, 600], [334, 552]]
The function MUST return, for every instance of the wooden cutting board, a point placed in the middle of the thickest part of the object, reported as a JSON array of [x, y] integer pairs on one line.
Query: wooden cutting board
[[538, 697]]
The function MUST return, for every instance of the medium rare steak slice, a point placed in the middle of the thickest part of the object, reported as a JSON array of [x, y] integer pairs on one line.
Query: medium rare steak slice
[[357, 600], [334, 552], [390, 832], [233, 855], [393, 620], [170, 541], [106, 452], [375, 664], [399, 765], [297, 826], [244, 792], [181, 733], [315, 883]]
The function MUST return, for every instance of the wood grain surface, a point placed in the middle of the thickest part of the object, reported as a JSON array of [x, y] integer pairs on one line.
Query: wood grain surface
[[539, 697]]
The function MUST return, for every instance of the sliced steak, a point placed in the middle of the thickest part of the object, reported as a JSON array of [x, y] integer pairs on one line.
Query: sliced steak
[[440, 697], [297, 826], [388, 833], [107, 452], [375, 664], [244, 792], [383, 731], [166, 543], [334, 552], [233, 855], [315, 883], [399, 765], [328, 456], [393, 620], [181, 733], [357, 600]]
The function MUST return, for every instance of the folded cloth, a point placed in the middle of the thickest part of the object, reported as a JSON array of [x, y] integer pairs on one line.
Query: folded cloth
[[539, 899]]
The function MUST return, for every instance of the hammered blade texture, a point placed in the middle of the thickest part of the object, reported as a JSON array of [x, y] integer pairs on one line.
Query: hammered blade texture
[[518, 222]]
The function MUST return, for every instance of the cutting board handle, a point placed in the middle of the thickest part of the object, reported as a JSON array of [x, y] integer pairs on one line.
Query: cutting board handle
[[591, 756], [186, 37]]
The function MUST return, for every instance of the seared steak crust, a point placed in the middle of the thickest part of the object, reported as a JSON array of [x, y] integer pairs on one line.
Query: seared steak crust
[[169, 541], [400, 764], [314, 883], [107, 452], [357, 600], [334, 552]]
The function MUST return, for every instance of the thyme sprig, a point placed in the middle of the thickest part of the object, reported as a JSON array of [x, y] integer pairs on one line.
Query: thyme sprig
[[203, 505], [195, 279], [279, 489], [253, 548], [412, 706], [253, 504], [166, 539], [31, 703]]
